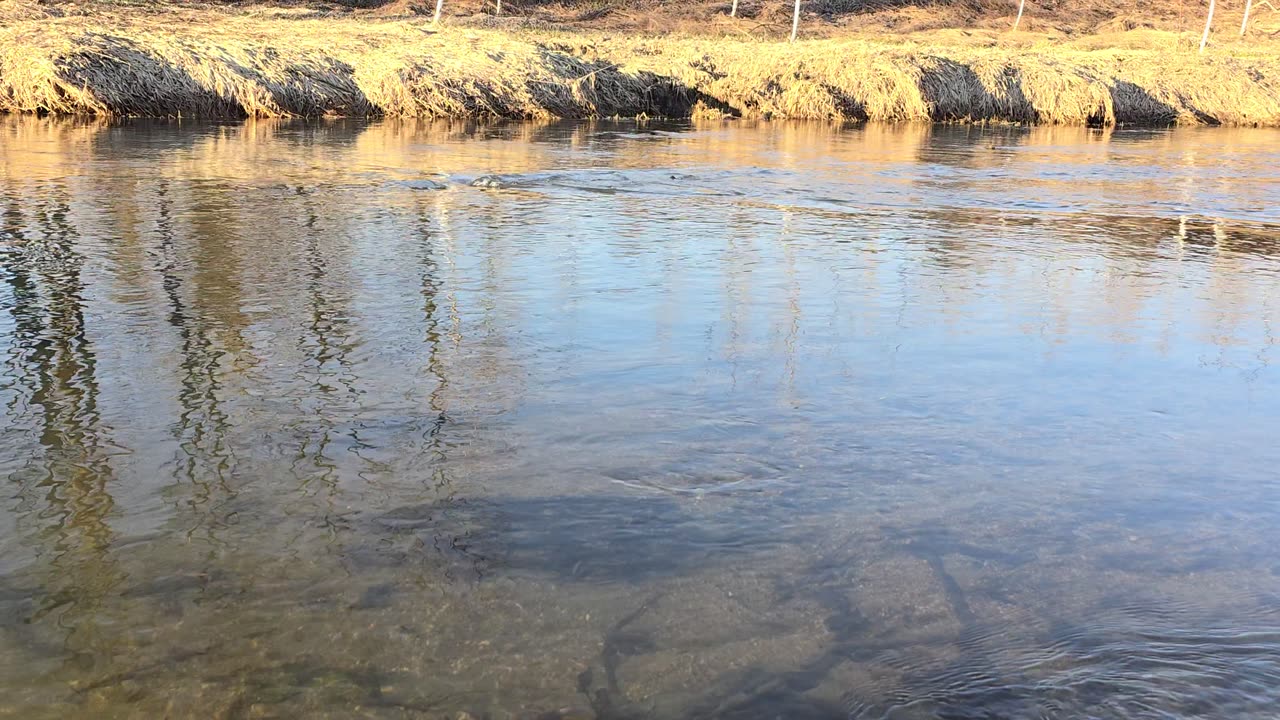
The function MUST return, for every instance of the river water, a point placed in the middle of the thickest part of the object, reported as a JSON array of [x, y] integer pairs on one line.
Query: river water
[[719, 421]]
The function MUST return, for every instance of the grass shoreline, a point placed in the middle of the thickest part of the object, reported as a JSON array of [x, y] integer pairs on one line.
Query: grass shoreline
[[222, 64]]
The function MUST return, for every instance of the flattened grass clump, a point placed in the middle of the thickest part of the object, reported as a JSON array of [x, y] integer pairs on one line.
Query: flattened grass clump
[[860, 80], [227, 66], [227, 63]]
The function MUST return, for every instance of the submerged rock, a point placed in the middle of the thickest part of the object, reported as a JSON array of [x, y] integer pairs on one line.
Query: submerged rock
[[489, 181], [565, 713], [426, 185]]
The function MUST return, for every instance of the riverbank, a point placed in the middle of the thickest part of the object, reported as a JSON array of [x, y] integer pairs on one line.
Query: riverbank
[[232, 63]]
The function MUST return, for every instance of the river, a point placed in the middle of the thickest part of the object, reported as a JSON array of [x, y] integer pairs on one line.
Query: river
[[672, 421]]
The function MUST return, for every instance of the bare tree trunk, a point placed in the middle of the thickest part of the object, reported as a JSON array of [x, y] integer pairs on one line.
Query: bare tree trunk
[[733, 12], [1208, 23], [795, 22], [1243, 26], [498, 11], [439, 6], [1021, 6]]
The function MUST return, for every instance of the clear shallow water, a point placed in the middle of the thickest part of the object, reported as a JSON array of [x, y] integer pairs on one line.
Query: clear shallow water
[[728, 422]]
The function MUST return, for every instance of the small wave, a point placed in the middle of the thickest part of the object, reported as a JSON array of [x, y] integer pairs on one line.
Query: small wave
[[1115, 669]]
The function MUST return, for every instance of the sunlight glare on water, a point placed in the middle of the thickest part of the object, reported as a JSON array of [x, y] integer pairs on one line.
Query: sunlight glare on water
[[667, 421]]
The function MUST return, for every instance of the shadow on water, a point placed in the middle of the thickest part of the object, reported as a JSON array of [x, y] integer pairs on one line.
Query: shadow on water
[[571, 538]]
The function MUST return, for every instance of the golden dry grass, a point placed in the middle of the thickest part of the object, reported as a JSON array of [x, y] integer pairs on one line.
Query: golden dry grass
[[267, 63]]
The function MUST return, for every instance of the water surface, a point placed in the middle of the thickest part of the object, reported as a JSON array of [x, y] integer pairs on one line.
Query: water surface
[[726, 421]]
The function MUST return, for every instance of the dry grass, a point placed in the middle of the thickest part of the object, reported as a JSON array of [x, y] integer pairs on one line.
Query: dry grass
[[266, 63]]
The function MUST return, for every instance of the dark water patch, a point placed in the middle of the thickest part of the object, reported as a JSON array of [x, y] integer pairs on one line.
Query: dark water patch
[[579, 538], [930, 543]]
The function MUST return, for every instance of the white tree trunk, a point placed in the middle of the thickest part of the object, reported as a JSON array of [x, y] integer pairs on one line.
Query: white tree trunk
[[498, 11], [1208, 23], [733, 12], [439, 7], [1243, 25], [795, 22], [1021, 6]]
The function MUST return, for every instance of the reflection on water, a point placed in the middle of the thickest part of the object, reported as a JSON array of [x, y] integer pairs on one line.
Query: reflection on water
[[721, 422]]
